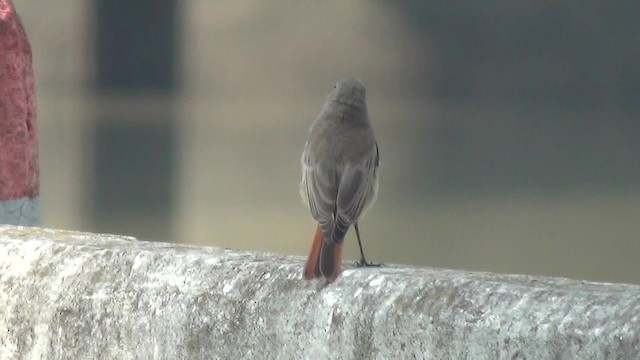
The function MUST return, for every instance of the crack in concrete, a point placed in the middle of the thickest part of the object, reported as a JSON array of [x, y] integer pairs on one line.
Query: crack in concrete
[[24, 211]]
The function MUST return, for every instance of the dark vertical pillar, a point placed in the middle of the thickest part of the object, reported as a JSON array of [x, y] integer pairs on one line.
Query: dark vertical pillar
[[136, 54]]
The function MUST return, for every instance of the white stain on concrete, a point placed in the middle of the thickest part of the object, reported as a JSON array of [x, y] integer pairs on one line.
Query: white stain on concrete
[[377, 281]]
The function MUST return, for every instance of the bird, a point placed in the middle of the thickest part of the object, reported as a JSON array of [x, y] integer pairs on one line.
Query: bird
[[339, 176]]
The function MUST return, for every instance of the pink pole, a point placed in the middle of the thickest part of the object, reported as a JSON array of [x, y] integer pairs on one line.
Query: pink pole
[[19, 170]]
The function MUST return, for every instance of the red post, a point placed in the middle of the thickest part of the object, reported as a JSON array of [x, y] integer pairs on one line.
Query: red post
[[19, 170]]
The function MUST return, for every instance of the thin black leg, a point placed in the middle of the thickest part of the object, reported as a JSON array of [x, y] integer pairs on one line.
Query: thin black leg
[[363, 262]]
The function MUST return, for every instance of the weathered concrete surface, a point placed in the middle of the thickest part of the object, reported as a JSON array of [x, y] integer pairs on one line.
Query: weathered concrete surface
[[70, 295]]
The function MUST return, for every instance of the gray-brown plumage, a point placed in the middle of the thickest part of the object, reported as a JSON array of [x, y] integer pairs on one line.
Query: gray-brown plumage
[[339, 174]]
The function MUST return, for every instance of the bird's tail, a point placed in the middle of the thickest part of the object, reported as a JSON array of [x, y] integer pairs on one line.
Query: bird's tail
[[324, 259]]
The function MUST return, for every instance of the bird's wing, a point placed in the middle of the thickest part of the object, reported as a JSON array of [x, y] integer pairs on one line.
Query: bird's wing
[[357, 189], [319, 188]]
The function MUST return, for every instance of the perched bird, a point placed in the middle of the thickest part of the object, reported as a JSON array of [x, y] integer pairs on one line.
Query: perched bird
[[339, 176]]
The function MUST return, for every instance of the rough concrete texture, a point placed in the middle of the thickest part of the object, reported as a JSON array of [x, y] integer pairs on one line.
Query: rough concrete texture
[[25, 211], [19, 171], [71, 295]]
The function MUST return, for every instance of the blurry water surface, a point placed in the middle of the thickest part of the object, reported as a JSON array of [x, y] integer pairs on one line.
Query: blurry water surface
[[508, 132]]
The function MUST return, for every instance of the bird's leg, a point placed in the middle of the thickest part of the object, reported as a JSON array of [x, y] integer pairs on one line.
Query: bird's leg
[[363, 262]]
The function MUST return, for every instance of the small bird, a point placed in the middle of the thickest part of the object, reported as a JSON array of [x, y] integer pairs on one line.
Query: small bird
[[339, 176]]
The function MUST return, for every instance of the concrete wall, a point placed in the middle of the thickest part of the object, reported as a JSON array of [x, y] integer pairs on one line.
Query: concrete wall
[[71, 295]]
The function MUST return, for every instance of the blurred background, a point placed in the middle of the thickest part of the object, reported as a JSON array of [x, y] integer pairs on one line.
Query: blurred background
[[508, 131]]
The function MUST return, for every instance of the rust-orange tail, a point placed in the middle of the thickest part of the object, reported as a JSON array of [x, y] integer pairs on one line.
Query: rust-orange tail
[[324, 259]]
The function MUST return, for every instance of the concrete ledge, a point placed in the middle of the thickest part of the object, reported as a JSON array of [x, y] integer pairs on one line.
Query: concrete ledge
[[72, 295]]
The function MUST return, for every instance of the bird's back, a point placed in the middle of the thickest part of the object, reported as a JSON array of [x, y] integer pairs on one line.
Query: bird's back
[[340, 143]]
